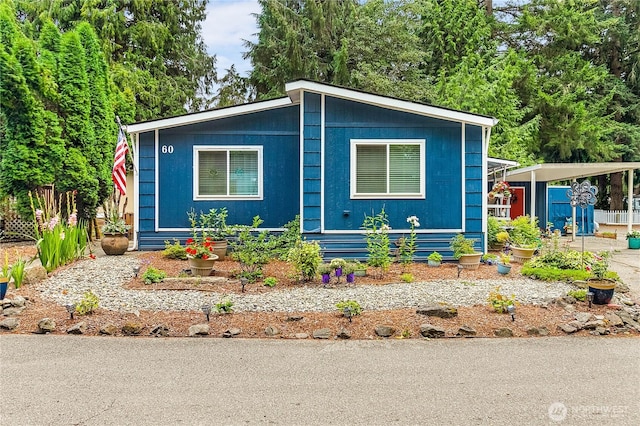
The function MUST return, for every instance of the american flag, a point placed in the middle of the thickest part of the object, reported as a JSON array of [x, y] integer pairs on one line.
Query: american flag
[[119, 174]]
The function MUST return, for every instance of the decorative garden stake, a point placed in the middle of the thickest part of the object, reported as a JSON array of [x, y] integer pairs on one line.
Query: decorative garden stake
[[243, 282], [590, 295], [207, 310], [460, 268], [71, 308], [136, 270], [583, 195], [512, 311]]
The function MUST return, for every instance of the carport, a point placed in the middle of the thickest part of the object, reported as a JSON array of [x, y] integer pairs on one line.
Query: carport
[[540, 175]]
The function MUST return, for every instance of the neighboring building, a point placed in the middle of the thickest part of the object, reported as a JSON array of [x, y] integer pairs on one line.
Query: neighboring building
[[329, 154]]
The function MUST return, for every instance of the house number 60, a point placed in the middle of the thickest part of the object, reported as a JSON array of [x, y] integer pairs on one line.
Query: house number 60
[[167, 149]]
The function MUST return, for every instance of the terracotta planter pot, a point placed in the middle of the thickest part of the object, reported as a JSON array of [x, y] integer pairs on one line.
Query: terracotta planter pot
[[220, 249], [202, 267], [521, 255], [470, 261], [114, 244]]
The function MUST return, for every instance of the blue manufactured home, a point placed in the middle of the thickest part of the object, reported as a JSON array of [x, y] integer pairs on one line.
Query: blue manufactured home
[[329, 154]]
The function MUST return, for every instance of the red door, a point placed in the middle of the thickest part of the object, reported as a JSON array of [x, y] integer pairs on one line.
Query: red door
[[517, 202]]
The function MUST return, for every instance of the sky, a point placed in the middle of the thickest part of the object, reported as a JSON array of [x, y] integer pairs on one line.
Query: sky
[[228, 23]]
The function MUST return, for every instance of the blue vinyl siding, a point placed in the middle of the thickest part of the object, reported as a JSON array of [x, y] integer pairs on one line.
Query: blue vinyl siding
[[311, 163], [275, 130], [346, 120], [146, 196]]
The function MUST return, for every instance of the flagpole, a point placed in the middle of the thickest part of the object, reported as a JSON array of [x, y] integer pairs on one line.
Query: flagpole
[[131, 145]]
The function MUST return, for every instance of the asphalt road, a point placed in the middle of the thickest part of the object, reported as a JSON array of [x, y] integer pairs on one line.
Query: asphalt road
[[73, 380]]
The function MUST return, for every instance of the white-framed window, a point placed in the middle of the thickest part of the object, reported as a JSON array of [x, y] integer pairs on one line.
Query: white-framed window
[[227, 172], [387, 168]]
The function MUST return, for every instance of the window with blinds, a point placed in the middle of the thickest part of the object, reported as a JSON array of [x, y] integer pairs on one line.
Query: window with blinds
[[387, 168], [227, 172]]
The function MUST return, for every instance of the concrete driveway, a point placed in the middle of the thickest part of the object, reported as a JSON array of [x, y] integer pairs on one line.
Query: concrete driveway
[[71, 380]]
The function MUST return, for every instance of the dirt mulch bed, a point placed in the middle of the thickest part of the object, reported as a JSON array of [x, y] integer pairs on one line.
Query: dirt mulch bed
[[294, 325]]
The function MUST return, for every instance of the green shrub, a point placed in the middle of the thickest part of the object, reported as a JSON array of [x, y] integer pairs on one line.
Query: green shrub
[[88, 304], [377, 237], [284, 242], [551, 273], [499, 302], [251, 249], [352, 305], [270, 281], [407, 277], [174, 251], [153, 275], [524, 233], [461, 245], [305, 258], [224, 306], [580, 294]]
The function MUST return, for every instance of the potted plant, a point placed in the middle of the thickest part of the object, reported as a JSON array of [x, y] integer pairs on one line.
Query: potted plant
[[337, 264], [212, 225], [360, 270], [633, 238], [434, 259], [5, 275], [601, 286], [200, 246], [525, 237], [115, 240], [504, 264], [349, 271], [464, 252], [325, 270]]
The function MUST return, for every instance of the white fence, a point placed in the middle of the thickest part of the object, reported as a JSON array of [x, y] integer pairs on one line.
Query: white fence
[[615, 217]]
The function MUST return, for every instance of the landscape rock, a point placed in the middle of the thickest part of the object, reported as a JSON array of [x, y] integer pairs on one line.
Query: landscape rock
[[199, 330], [385, 330], [9, 323], [7, 312], [503, 332], [295, 318], [583, 316], [18, 301], [301, 336], [466, 331], [132, 329], [109, 329], [600, 331], [322, 333], [159, 330], [438, 311], [613, 319], [231, 332], [431, 331], [591, 325], [34, 274], [78, 328], [538, 331], [46, 325], [577, 324], [271, 330], [567, 328], [344, 334]]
